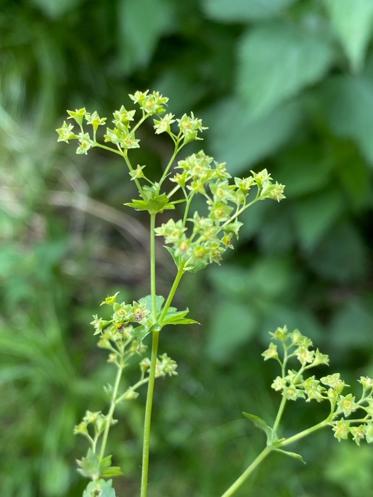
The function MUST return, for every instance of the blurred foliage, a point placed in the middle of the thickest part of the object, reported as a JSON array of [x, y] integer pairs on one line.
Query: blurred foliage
[[282, 84]]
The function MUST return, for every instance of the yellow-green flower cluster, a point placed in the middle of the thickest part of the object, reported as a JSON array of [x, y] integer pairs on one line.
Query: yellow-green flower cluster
[[121, 134], [165, 366], [294, 384], [123, 332], [185, 130], [202, 238], [91, 426]]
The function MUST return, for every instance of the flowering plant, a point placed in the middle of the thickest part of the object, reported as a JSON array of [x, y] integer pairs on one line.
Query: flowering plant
[[203, 204]]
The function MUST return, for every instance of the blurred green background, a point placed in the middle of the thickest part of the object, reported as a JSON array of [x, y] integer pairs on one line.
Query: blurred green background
[[282, 84]]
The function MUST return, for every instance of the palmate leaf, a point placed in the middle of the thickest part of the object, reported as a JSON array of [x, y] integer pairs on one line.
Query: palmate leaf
[[175, 317], [152, 201], [90, 466]]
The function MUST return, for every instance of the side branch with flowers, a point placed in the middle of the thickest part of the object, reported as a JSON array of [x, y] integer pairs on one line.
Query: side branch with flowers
[[205, 204]]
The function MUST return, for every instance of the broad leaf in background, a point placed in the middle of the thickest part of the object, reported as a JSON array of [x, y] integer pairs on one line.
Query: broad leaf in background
[[348, 101], [314, 215], [304, 169], [268, 277], [141, 24], [240, 139], [354, 315], [244, 10], [350, 468], [277, 60], [232, 326], [56, 9], [352, 21], [341, 256]]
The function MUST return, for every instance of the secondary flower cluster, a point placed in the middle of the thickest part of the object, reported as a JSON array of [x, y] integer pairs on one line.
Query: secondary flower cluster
[[123, 332], [122, 133], [201, 239], [122, 335], [293, 385]]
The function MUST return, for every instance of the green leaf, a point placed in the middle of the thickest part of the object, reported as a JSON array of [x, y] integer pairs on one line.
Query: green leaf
[[181, 85], [293, 455], [259, 423], [352, 22], [175, 317], [99, 488], [107, 470], [90, 466], [240, 139], [147, 301], [315, 215], [277, 60], [151, 201], [347, 101], [55, 9], [232, 325], [141, 24], [303, 169], [244, 10], [341, 256], [352, 324], [269, 277], [153, 206]]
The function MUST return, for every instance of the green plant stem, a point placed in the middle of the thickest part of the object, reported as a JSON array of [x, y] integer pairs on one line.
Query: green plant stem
[[153, 365], [109, 417], [243, 477], [280, 412], [169, 164], [304, 433], [171, 295], [153, 284], [151, 383], [109, 149], [148, 416], [131, 170]]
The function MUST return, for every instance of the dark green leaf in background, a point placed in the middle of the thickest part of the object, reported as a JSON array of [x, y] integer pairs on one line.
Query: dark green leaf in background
[[352, 21], [232, 325], [238, 138], [276, 61], [244, 10], [315, 215], [348, 102], [141, 24]]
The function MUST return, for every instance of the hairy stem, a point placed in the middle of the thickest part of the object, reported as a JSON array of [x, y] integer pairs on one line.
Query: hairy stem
[[243, 477]]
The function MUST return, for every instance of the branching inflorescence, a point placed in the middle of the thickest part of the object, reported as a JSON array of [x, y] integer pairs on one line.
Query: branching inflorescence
[[204, 204], [347, 415]]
